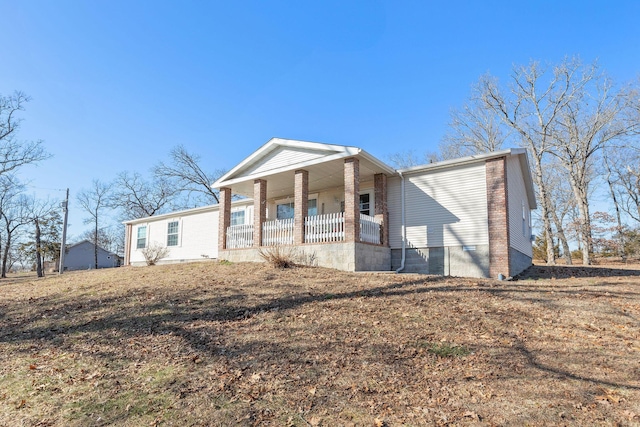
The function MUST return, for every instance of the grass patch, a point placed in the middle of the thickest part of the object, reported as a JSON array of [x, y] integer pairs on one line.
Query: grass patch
[[446, 350]]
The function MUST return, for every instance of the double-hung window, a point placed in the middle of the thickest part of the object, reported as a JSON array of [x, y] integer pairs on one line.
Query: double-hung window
[[237, 217], [172, 233], [142, 237], [287, 210]]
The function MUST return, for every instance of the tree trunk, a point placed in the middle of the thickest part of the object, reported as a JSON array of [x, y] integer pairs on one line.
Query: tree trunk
[[566, 251], [619, 228], [5, 256], [545, 211], [38, 250], [95, 244]]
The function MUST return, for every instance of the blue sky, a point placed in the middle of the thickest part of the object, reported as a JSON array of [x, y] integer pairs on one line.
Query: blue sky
[[116, 84]]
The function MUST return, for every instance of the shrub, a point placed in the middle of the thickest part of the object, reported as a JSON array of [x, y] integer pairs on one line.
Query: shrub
[[154, 253], [278, 256]]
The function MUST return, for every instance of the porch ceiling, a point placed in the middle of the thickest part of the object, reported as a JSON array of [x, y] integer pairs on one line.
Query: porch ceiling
[[321, 176]]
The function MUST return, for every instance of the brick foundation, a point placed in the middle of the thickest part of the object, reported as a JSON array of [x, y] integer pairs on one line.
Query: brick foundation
[[352, 199], [498, 217], [259, 209], [225, 217], [300, 204]]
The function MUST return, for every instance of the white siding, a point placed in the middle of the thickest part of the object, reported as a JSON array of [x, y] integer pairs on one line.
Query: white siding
[[443, 208], [519, 237], [281, 157], [198, 235]]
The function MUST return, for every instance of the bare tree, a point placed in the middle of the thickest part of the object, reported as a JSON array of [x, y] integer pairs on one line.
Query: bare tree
[[136, 197], [95, 200], [592, 119], [44, 215], [473, 129], [13, 152], [561, 203], [535, 103], [410, 158], [189, 177], [14, 211]]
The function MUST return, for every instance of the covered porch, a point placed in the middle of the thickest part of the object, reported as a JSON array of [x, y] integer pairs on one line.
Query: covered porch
[[316, 197]]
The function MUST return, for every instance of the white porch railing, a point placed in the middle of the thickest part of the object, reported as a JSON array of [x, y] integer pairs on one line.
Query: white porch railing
[[369, 229], [278, 232], [240, 236], [324, 228], [317, 229]]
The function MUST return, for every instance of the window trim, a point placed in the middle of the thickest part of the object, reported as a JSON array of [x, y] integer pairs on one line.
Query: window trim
[[138, 238], [236, 212], [177, 233]]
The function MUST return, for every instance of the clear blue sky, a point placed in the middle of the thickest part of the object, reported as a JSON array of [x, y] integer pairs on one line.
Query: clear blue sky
[[115, 84]]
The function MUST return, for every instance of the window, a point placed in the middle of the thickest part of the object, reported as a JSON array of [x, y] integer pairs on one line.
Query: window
[[237, 218], [172, 233], [287, 210], [312, 207], [364, 204], [142, 237]]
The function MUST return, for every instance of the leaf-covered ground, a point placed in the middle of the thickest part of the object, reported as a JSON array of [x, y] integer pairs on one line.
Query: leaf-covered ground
[[244, 344]]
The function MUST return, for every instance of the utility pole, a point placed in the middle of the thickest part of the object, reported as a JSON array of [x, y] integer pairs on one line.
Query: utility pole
[[65, 208]]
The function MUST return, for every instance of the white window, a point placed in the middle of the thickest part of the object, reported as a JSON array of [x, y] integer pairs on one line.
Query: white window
[[172, 233], [142, 237], [365, 206], [287, 210], [237, 218]]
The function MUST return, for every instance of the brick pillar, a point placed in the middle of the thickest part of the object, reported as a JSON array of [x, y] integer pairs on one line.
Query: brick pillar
[[127, 245], [300, 205], [381, 212], [351, 200], [224, 219], [498, 217], [259, 209]]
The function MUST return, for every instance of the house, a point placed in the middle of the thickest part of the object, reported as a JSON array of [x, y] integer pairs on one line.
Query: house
[[346, 209], [80, 256]]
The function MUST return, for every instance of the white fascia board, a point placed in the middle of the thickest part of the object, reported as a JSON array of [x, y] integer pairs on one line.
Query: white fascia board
[[385, 167], [192, 211], [337, 156], [461, 161], [528, 182], [280, 142]]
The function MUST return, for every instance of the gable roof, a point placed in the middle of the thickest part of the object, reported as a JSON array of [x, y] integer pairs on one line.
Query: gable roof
[[90, 243], [281, 155], [520, 152]]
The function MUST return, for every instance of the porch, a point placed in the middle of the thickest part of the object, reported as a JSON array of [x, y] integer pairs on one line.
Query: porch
[[327, 201], [328, 228]]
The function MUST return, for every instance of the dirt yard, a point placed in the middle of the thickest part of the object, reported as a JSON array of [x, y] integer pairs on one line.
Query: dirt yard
[[244, 344]]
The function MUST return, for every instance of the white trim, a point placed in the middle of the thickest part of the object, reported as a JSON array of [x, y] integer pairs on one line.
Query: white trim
[[192, 211], [340, 152]]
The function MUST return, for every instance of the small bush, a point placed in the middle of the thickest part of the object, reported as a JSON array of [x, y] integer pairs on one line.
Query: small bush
[[278, 256], [154, 253]]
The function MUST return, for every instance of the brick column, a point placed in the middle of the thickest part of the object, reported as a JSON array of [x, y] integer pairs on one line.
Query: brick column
[[381, 212], [300, 205], [224, 219], [127, 245], [351, 200], [498, 217], [259, 209]]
